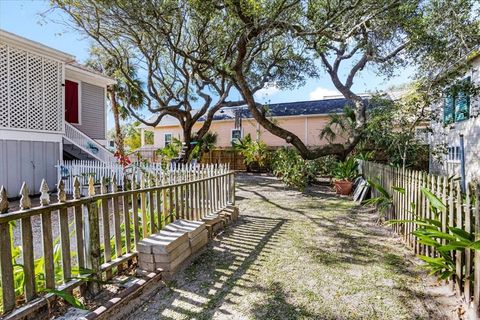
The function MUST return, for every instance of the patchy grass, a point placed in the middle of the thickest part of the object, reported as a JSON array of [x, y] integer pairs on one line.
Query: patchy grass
[[298, 256]]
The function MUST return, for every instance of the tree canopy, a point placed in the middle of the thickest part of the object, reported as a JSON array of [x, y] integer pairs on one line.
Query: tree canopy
[[206, 55]]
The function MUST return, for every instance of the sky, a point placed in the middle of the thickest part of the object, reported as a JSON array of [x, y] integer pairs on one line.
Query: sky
[[24, 18]]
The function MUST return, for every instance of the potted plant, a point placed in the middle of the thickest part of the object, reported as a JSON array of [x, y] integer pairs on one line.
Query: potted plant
[[344, 174]]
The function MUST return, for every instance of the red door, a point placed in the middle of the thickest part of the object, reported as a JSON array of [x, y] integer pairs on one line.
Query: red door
[[71, 101]]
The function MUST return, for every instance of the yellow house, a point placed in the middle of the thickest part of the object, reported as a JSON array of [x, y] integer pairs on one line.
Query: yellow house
[[306, 119]]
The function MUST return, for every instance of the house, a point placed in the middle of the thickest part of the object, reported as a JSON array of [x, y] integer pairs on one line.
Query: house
[[459, 115], [306, 119], [51, 109]]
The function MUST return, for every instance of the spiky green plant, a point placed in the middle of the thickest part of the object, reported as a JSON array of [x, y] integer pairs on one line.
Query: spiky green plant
[[429, 232]]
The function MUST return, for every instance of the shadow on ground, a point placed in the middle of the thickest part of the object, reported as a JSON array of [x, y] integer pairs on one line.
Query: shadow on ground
[[297, 256]]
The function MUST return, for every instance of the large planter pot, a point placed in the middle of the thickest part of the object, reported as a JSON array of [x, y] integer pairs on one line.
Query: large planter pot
[[343, 187]]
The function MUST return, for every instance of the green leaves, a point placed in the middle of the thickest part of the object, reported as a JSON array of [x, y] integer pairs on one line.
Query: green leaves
[[67, 297], [430, 233], [253, 151], [385, 200], [346, 170], [435, 202], [294, 171]]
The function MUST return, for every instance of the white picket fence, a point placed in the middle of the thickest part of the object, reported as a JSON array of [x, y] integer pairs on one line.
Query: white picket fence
[[83, 169]]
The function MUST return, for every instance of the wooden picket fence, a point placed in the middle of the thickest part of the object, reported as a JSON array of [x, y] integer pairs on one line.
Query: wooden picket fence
[[232, 157], [463, 211], [87, 240]]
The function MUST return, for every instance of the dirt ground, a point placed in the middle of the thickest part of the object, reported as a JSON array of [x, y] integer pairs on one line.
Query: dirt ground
[[301, 256]]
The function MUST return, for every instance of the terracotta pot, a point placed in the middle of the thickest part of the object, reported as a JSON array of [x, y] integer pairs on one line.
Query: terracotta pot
[[343, 187]]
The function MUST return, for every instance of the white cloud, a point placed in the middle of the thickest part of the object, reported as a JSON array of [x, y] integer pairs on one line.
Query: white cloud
[[320, 93], [268, 90]]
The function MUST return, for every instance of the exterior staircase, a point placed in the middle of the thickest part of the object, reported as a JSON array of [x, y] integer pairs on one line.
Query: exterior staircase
[[78, 145]]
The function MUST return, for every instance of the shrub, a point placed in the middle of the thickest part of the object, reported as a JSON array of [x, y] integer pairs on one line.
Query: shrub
[[326, 165], [292, 169], [254, 152], [172, 150], [204, 145]]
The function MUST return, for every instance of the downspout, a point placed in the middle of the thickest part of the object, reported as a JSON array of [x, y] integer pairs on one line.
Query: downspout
[[462, 164]]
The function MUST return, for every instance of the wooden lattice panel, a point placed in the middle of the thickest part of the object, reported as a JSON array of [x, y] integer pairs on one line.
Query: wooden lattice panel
[[31, 96], [3, 85], [35, 93], [18, 88], [51, 85]]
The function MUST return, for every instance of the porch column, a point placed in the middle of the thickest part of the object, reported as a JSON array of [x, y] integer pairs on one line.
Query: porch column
[[142, 137]]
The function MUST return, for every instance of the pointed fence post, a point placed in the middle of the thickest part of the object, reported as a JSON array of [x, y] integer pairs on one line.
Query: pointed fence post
[[3, 200], [116, 218], [47, 238], [79, 232], [64, 232], [27, 245], [6, 266], [476, 262], [136, 227], [25, 202], [158, 200], [92, 240], [107, 251], [44, 196], [143, 205]]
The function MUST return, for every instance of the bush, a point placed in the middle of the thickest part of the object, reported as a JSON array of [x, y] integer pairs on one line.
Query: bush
[[326, 165], [172, 150], [292, 169], [254, 152]]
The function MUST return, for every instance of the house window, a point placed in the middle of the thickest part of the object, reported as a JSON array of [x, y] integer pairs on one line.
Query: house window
[[167, 138], [71, 102], [454, 154], [456, 106], [236, 134]]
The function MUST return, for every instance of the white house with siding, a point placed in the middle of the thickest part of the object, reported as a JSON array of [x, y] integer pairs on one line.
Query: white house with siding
[[459, 115], [51, 109]]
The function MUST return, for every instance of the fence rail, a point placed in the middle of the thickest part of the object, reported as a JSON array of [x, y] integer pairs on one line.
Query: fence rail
[[462, 211], [98, 232]]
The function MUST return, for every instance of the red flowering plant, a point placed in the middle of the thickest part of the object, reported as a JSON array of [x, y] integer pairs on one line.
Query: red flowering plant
[[122, 159]]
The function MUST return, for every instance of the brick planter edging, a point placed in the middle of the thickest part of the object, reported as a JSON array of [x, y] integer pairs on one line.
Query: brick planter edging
[[112, 306]]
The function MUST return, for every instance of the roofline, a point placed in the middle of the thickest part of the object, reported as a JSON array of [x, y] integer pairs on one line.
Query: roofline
[[104, 79], [323, 115], [339, 97], [16, 40], [362, 95]]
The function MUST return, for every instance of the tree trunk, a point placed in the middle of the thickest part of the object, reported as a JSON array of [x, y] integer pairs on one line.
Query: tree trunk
[[116, 117], [338, 150]]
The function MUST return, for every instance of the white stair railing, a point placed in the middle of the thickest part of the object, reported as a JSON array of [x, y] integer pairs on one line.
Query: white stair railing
[[87, 144]]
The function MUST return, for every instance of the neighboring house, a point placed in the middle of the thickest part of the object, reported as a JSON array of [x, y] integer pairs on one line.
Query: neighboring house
[[460, 115], [51, 109], [306, 119]]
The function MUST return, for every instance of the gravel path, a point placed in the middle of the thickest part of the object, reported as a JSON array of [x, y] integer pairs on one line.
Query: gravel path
[[300, 256]]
